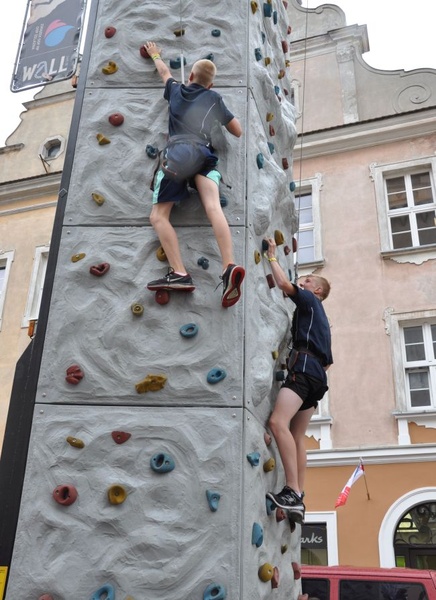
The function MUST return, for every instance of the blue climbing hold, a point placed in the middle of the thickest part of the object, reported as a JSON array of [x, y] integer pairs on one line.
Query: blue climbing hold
[[106, 592], [292, 186], [216, 32], [257, 535], [176, 63], [253, 458], [277, 89], [260, 160], [151, 151], [214, 591], [189, 330], [263, 37], [275, 17], [203, 262], [267, 9], [280, 376], [265, 245], [271, 147], [223, 201], [210, 56], [270, 506], [213, 499], [216, 375], [258, 54], [162, 463]]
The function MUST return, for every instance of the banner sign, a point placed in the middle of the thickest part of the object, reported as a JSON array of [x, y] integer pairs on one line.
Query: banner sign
[[49, 47], [314, 536]]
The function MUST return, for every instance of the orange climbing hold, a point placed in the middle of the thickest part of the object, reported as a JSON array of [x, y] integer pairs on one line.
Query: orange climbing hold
[[151, 383], [110, 68], [102, 139], [254, 6]]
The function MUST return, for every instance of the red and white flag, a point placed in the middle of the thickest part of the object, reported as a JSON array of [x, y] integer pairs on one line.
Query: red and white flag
[[342, 498]]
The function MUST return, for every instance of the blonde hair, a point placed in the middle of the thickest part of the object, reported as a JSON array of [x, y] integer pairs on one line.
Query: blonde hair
[[203, 72], [324, 284]]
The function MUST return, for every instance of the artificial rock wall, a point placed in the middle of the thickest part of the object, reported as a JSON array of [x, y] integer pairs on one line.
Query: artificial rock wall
[[127, 424]]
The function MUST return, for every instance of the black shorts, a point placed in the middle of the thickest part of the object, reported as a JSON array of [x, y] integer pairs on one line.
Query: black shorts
[[310, 389]]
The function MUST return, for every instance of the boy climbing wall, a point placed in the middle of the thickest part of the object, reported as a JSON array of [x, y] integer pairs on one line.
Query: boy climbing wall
[[193, 110]]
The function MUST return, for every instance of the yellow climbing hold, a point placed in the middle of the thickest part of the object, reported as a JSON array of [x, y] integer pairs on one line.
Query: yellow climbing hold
[[160, 254], [269, 117], [152, 383], [284, 548], [254, 6], [279, 237], [267, 61], [98, 198], [77, 257], [275, 354], [102, 139], [75, 442], [116, 494], [257, 257], [137, 309], [179, 32], [269, 465], [266, 572], [110, 68]]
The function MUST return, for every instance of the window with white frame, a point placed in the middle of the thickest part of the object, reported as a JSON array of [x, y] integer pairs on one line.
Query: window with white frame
[[36, 285], [6, 259], [419, 351], [406, 201], [307, 206]]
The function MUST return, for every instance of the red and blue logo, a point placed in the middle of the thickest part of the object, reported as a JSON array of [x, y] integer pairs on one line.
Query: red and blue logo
[[56, 32]]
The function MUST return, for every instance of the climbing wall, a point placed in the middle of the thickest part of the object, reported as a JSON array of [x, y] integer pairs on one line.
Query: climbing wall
[[149, 459]]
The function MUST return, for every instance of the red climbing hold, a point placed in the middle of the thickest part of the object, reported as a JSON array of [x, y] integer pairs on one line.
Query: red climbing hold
[[272, 131], [65, 494], [119, 437], [74, 374], [294, 245], [270, 280], [116, 119], [162, 297], [280, 515], [297, 570], [285, 46], [286, 250], [285, 163], [99, 270], [143, 52], [110, 32], [275, 581]]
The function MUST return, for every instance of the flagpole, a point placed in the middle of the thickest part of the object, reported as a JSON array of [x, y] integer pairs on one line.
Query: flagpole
[[366, 484]]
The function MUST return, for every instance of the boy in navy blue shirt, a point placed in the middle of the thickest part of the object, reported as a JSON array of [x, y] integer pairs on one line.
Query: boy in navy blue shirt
[[193, 110], [305, 384]]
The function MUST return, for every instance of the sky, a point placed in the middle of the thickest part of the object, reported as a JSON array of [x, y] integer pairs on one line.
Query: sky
[[401, 36]]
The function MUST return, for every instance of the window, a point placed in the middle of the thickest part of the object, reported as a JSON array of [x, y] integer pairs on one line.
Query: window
[[307, 207], [6, 259], [406, 204], [316, 588], [52, 147], [381, 590], [36, 285], [319, 539], [419, 345]]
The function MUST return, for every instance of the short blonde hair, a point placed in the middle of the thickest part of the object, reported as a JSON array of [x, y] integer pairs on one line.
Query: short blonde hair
[[322, 283], [203, 72]]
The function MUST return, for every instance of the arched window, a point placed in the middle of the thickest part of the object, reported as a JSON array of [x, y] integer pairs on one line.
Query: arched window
[[415, 537]]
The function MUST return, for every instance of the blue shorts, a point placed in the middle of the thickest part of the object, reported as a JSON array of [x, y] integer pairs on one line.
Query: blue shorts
[[308, 388]]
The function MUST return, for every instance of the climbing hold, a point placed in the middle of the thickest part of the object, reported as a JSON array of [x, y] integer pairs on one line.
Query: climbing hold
[[271, 147], [270, 506], [297, 570], [260, 160], [289, 30], [267, 9], [203, 262], [106, 592], [223, 201], [77, 257], [285, 46], [137, 309], [119, 437], [281, 74], [277, 90], [292, 186], [216, 32], [257, 535], [279, 238], [280, 376], [285, 90], [269, 465], [269, 117], [213, 499], [102, 139], [264, 245], [162, 463], [75, 442], [65, 494], [189, 330], [99, 270], [284, 548], [253, 458], [151, 383], [216, 375], [179, 32], [275, 17], [267, 61], [210, 56], [110, 68], [294, 245], [270, 280], [45, 597], [285, 163], [143, 52], [257, 54], [267, 438], [98, 198], [214, 591], [262, 33], [116, 494], [272, 131], [110, 32], [280, 515], [160, 254], [162, 297], [266, 572], [74, 374], [116, 119], [275, 580], [176, 63], [275, 354], [286, 250], [151, 151], [254, 6], [257, 257]]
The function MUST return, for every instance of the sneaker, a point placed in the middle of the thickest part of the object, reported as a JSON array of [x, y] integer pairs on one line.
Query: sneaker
[[172, 281], [290, 501], [232, 280]]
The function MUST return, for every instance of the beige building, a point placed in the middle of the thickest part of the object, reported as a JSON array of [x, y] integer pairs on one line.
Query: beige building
[[365, 174]]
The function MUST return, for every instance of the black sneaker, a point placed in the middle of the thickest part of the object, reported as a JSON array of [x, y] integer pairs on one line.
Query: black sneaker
[[232, 280], [290, 501], [172, 281]]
